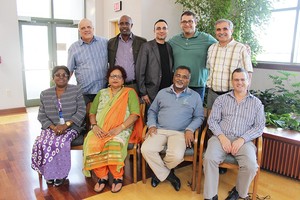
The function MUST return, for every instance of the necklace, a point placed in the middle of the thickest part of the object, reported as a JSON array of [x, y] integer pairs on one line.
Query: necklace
[[113, 93]]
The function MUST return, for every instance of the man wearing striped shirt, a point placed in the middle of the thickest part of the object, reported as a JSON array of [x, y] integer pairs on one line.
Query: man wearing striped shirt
[[222, 58], [88, 59], [237, 118]]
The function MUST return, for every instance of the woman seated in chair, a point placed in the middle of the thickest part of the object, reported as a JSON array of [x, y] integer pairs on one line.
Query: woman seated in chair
[[61, 114], [115, 117]]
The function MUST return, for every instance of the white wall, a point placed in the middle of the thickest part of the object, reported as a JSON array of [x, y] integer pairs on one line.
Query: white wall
[[160, 9], [261, 80], [11, 83], [144, 14]]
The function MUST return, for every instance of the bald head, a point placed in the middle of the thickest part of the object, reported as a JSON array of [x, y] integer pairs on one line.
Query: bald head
[[125, 25], [86, 30]]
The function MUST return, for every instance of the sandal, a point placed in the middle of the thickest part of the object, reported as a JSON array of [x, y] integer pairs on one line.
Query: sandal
[[100, 182], [116, 182]]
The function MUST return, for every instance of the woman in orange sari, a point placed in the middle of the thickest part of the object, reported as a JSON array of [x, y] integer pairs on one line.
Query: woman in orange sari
[[115, 118]]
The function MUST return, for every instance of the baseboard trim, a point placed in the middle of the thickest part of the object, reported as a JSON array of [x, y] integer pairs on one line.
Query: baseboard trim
[[13, 111]]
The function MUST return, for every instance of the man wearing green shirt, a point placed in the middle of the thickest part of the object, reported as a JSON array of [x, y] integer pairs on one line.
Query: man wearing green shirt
[[190, 49]]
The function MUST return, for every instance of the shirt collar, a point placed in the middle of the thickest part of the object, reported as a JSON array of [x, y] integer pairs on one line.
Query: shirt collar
[[194, 36], [249, 95], [185, 91], [93, 40], [231, 43], [130, 37]]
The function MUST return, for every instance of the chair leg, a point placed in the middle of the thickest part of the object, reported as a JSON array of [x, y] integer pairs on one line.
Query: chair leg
[[143, 170], [194, 175], [199, 175], [134, 167], [255, 184]]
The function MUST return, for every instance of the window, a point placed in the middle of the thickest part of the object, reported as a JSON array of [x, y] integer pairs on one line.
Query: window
[[47, 30], [281, 39], [62, 9]]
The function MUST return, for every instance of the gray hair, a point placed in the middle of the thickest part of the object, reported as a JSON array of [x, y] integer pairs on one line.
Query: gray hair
[[227, 21]]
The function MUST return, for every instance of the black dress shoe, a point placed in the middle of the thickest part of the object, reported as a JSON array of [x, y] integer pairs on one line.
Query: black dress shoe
[[214, 198], [233, 194], [175, 181], [222, 170], [154, 181]]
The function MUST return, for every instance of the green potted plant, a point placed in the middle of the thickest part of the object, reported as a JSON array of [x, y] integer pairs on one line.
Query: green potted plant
[[282, 102], [248, 17]]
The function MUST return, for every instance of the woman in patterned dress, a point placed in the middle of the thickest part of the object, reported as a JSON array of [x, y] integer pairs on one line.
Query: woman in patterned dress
[[61, 114]]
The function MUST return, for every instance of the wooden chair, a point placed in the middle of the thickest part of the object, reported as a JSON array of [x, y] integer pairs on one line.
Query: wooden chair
[[133, 147], [230, 162], [189, 155]]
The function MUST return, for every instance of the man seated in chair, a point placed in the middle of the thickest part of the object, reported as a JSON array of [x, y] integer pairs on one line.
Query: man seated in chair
[[174, 115], [237, 118]]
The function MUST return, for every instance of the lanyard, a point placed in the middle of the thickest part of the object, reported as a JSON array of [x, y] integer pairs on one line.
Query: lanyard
[[60, 114]]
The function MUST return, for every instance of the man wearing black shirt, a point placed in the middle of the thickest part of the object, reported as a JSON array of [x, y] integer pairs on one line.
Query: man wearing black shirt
[[154, 67]]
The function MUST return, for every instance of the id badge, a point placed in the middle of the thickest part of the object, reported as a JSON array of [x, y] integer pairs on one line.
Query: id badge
[[61, 120]]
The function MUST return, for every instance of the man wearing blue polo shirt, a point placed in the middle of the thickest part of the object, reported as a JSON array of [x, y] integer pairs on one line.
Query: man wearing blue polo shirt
[[173, 117]]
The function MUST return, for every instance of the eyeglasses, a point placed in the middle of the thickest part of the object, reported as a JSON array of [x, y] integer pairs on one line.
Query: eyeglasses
[[63, 75], [116, 77], [182, 76], [187, 22]]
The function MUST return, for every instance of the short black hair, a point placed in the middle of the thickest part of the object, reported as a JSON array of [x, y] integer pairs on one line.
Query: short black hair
[[160, 20], [122, 70], [56, 68], [188, 13], [238, 70]]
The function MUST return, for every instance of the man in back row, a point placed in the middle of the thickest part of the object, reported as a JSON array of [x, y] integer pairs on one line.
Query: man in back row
[[223, 58], [190, 49], [154, 67], [88, 59], [124, 48]]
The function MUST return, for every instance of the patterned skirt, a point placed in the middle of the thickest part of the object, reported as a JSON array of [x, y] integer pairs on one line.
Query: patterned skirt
[[51, 154]]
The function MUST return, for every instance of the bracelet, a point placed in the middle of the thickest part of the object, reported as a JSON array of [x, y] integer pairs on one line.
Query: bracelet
[[123, 126]]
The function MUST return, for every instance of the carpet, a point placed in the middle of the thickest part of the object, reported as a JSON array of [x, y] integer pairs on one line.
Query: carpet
[[163, 191]]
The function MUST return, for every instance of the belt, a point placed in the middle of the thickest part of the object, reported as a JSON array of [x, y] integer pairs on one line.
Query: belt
[[130, 82], [219, 93]]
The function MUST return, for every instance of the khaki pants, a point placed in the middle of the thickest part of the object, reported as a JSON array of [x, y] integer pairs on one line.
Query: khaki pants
[[175, 142]]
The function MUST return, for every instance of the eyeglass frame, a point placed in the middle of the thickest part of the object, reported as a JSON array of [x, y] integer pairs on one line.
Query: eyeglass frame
[[190, 22], [116, 76], [63, 75]]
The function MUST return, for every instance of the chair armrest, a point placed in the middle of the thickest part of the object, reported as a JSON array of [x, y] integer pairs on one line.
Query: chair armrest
[[196, 136], [259, 143], [144, 133], [202, 139]]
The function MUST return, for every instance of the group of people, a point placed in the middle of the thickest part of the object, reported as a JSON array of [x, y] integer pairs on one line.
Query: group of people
[[170, 77]]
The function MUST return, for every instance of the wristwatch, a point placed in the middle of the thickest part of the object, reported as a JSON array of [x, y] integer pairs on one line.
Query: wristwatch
[[68, 123], [92, 126]]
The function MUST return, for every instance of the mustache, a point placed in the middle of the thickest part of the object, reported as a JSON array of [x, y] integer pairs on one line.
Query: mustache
[[221, 34]]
